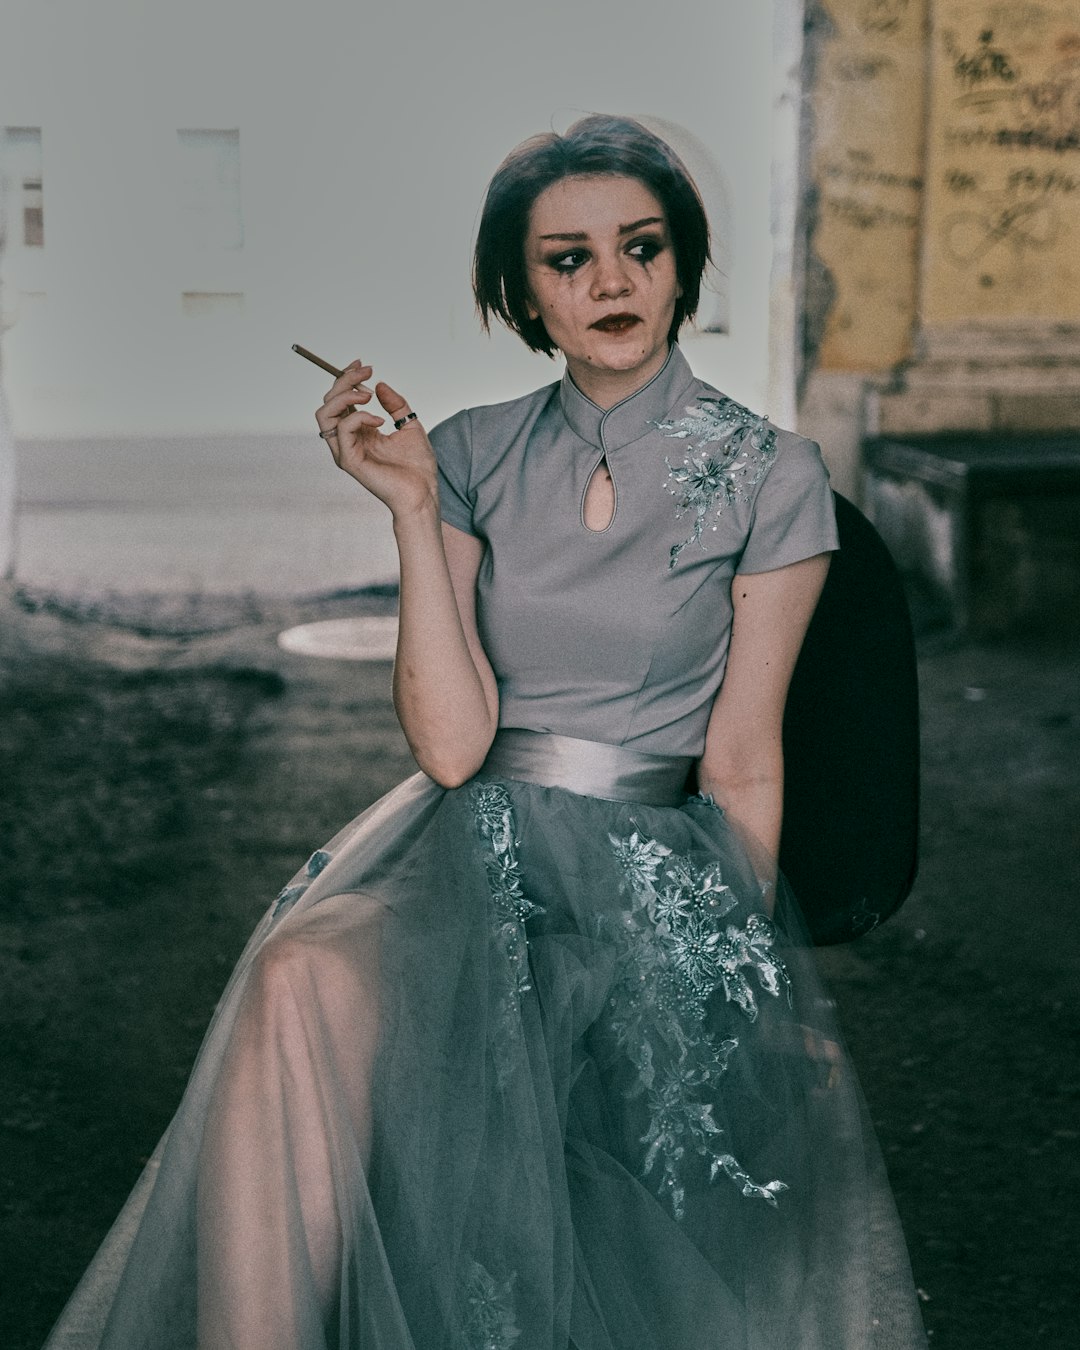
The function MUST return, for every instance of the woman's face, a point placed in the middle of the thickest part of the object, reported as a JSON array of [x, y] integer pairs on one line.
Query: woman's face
[[601, 273]]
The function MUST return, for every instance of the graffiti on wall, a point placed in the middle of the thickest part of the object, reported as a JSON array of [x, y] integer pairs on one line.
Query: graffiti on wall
[[1003, 163], [867, 177], [881, 16]]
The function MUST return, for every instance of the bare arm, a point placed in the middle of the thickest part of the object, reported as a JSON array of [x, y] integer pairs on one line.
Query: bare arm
[[743, 763], [445, 693]]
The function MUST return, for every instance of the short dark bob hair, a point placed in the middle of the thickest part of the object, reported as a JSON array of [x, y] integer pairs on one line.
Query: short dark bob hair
[[598, 144]]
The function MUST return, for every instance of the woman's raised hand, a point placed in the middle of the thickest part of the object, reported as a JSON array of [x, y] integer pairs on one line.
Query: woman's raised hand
[[398, 466]]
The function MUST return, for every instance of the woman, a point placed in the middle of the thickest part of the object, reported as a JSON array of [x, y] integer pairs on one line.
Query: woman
[[532, 1054]]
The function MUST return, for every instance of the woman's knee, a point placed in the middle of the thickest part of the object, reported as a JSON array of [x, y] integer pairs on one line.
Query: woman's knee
[[331, 977]]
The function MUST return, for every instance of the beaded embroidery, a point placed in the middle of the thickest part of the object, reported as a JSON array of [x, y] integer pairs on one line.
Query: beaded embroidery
[[675, 954], [493, 812], [289, 896], [708, 481], [488, 1320]]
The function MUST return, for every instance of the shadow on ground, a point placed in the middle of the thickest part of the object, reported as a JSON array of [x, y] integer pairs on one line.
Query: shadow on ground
[[158, 789]]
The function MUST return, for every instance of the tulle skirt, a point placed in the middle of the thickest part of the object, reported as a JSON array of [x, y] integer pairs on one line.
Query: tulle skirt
[[509, 1066]]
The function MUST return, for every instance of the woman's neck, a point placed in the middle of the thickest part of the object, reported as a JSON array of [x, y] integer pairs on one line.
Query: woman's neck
[[605, 388]]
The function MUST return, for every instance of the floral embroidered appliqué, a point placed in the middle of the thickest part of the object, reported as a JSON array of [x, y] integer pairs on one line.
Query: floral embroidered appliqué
[[488, 1321], [676, 953], [493, 812], [749, 947], [710, 480]]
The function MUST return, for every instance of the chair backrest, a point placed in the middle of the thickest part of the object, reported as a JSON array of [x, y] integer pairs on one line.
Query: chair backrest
[[851, 744]]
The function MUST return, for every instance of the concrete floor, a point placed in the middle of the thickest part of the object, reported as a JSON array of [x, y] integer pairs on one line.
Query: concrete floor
[[163, 785], [167, 765]]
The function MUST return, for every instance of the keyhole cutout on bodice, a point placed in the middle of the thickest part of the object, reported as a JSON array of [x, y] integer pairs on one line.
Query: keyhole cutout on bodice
[[598, 505]]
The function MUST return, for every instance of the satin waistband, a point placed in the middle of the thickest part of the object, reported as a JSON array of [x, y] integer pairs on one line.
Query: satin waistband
[[589, 768]]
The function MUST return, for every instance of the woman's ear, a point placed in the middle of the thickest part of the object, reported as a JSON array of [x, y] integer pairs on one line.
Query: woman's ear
[[530, 309]]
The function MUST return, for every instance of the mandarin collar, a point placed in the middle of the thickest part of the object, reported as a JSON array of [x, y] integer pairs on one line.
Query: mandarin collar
[[630, 419]]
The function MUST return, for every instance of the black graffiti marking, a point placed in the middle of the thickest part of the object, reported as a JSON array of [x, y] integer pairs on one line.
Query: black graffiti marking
[[1042, 182], [1048, 96], [987, 63], [882, 16], [1014, 138], [1038, 138], [964, 138], [1056, 98], [959, 182], [863, 69], [864, 217], [1022, 227], [982, 100], [1047, 112], [857, 177]]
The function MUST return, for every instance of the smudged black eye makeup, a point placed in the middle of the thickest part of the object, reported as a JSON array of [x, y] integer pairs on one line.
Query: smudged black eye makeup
[[645, 250], [568, 261], [642, 250]]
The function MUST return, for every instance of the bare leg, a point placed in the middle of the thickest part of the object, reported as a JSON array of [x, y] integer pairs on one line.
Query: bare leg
[[289, 1133]]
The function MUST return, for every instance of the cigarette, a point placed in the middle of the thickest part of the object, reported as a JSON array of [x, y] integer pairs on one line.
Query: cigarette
[[316, 360]]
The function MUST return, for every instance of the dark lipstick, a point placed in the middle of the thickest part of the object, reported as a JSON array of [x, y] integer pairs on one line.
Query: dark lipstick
[[616, 323]]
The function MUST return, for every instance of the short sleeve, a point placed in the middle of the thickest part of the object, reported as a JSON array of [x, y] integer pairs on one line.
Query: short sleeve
[[793, 515], [452, 443]]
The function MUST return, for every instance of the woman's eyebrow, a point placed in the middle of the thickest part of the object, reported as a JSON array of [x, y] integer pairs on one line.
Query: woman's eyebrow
[[579, 236], [637, 224]]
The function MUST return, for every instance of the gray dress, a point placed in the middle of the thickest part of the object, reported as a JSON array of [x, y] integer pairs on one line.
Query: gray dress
[[621, 635], [537, 1063]]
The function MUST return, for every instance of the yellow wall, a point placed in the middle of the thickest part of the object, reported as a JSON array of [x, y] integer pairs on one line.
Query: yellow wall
[[946, 160], [868, 104], [1002, 222]]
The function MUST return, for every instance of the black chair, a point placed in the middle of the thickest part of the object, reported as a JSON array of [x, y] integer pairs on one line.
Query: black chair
[[851, 744]]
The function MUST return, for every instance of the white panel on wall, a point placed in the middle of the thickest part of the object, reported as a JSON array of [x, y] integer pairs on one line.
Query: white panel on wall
[[208, 188]]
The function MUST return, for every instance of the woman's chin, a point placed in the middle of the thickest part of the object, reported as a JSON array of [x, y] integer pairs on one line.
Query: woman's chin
[[621, 355]]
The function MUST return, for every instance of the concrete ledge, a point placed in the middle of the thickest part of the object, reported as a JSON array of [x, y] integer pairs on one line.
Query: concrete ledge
[[988, 525]]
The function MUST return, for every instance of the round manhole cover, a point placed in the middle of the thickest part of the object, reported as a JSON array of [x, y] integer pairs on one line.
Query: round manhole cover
[[371, 638]]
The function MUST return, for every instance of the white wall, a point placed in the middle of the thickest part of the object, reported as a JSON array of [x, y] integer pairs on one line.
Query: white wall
[[367, 135]]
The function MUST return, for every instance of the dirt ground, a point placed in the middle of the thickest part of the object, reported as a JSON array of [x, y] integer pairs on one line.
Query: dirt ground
[[161, 778]]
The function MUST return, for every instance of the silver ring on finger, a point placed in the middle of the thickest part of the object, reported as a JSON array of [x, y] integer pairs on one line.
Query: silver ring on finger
[[326, 435], [399, 422]]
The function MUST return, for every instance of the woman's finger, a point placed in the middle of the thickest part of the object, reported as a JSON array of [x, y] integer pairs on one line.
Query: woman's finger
[[389, 397], [346, 420], [395, 405], [347, 391], [348, 388], [347, 398], [359, 419], [352, 375]]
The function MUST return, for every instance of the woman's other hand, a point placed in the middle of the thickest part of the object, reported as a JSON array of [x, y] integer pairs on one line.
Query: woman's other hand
[[398, 466]]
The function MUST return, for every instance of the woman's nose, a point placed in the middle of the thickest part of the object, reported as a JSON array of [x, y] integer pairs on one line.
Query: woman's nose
[[611, 278]]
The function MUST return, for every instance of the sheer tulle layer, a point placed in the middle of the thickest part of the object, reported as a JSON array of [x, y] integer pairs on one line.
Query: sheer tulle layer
[[510, 1067]]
